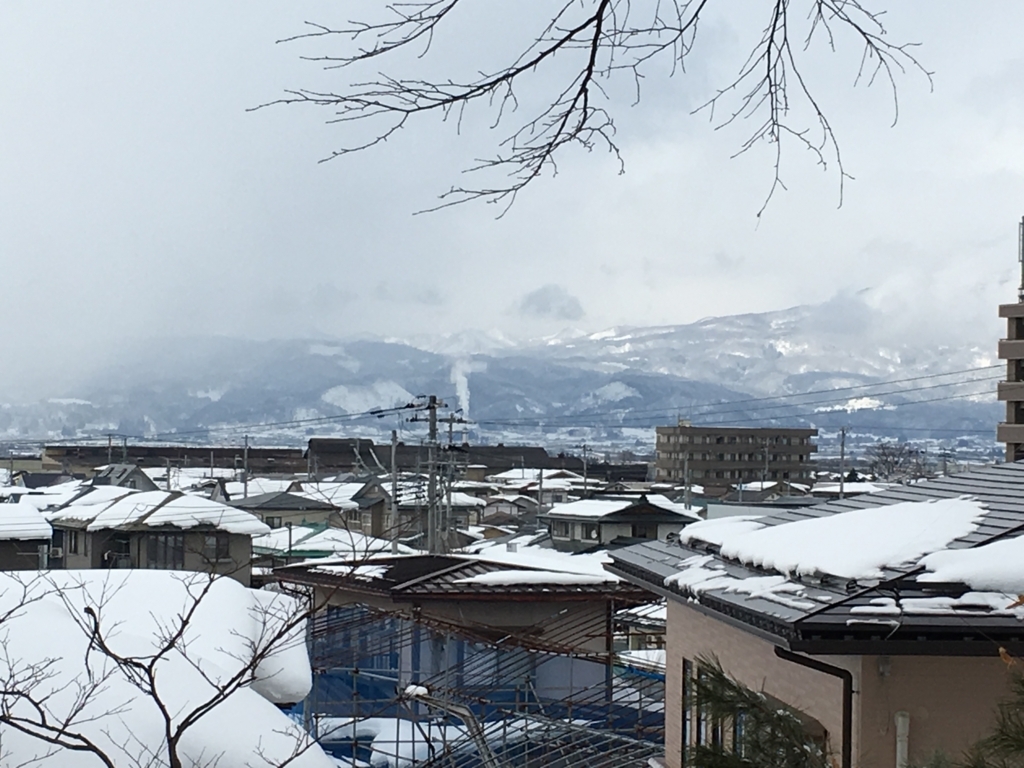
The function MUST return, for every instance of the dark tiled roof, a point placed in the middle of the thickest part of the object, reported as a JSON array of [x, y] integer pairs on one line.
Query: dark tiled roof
[[443, 576], [834, 616], [1000, 488], [281, 500]]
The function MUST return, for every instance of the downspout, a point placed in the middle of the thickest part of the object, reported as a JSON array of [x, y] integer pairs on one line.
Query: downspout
[[846, 676]]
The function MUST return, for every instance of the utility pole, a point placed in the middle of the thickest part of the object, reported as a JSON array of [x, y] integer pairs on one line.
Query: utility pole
[[124, 449], [764, 474], [584, 447], [245, 469], [842, 462], [110, 449], [394, 492], [434, 543], [433, 540], [540, 490], [438, 519], [167, 461], [687, 491]]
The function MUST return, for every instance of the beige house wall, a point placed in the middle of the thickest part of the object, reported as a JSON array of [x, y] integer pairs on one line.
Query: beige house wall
[[751, 660], [951, 701]]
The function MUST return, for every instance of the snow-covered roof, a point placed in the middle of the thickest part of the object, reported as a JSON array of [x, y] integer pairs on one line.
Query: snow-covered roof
[[512, 576], [532, 475], [517, 499], [893, 560], [23, 522], [340, 542], [257, 486], [345, 542], [127, 510], [597, 508], [719, 529], [157, 508], [859, 544], [189, 478], [525, 553], [338, 494], [135, 610], [278, 539], [850, 489], [186, 511], [54, 495]]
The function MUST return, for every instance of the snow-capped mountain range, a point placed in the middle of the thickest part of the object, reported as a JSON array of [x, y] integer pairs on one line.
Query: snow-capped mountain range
[[827, 365]]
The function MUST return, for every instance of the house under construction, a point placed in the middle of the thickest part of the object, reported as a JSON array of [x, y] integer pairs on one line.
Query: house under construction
[[455, 660]]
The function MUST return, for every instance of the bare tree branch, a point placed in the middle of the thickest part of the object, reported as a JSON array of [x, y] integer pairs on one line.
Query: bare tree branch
[[603, 39]]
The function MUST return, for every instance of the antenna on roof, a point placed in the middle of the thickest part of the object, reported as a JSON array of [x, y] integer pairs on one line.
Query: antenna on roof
[[1020, 258]]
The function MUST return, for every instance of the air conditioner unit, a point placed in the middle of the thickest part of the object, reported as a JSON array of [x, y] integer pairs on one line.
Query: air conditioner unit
[[56, 553]]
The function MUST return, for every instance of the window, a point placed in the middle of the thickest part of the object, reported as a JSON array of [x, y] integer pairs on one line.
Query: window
[[71, 542], [702, 716], [165, 550], [274, 521], [738, 733], [216, 546], [645, 531], [560, 529], [589, 531], [687, 709]]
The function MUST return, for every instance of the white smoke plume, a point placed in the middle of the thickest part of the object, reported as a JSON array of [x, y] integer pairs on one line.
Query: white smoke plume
[[460, 378]]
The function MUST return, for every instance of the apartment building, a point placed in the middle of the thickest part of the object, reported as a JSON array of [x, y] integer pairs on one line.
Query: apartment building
[[722, 455]]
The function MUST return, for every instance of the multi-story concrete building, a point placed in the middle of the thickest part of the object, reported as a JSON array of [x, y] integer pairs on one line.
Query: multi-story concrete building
[[1011, 391], [720, 455]]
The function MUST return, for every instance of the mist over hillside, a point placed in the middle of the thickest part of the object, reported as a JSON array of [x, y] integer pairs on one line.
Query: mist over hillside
[[828, 365]]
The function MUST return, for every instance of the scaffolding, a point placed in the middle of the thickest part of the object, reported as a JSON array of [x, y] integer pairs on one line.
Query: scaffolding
[[402, 689]]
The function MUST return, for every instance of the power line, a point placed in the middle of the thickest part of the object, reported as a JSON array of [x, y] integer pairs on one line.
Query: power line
[[376, 413], [634, 416], [792, 395]]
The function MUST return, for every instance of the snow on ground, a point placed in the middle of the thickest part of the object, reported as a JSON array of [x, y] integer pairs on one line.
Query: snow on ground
[[651, 657], [136, 610], [361, 399], [857, 544], [397, 743]]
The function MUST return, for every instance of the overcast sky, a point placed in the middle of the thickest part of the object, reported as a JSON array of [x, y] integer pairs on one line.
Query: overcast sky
[[139, 197]]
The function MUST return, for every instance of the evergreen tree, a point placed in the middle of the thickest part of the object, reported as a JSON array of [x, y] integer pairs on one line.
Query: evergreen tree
[[746, 728]]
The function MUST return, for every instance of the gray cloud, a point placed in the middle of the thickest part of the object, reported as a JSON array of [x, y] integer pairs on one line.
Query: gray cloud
[[550, 302], [148, 202]]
